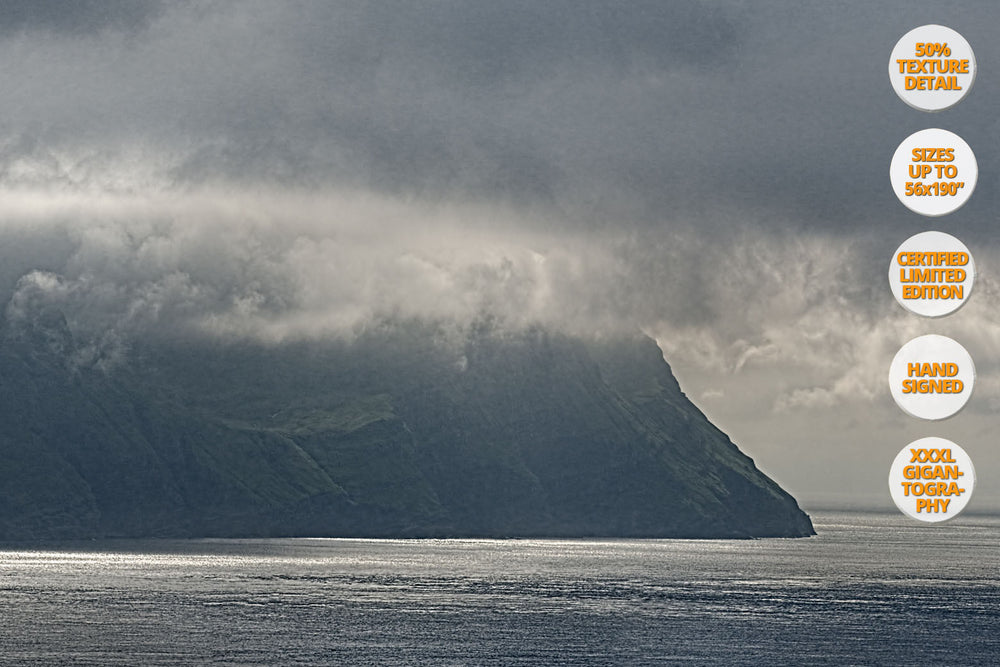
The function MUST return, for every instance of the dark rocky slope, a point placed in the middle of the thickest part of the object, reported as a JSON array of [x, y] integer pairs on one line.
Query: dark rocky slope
[[399, 433]]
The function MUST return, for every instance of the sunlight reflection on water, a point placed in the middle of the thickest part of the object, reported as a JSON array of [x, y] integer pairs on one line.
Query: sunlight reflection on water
[[863, 590]]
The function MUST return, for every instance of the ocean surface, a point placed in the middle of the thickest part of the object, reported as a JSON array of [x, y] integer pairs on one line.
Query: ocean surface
[[869, 589]]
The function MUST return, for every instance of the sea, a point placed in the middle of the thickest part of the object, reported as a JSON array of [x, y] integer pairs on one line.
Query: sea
[[869, 589]]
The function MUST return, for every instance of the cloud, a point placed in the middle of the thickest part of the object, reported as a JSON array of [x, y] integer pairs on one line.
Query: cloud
[[808, 316], [80, 17], [616, 116]]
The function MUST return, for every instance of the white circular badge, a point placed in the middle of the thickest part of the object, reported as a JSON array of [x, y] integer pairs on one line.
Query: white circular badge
[[931, 377], [931, 479], [933, 172], [932, 274], [932, 68]]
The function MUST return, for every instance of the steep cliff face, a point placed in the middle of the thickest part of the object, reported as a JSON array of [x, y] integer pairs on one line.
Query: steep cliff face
[[398, 433]]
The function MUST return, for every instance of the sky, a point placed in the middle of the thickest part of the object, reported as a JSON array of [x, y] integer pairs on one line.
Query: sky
[[712, 174]]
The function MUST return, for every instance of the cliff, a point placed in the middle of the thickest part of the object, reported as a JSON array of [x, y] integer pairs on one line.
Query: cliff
[[403, 431]]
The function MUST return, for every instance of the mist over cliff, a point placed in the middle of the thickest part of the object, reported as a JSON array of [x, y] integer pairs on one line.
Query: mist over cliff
[[259, 173]]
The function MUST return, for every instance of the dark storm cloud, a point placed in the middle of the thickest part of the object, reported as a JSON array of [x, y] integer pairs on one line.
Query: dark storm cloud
[[616, 114], [488, 44], [609, 114], [77, 17], [513, 100]]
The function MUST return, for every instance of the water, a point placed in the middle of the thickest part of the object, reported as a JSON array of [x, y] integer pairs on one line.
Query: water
[[870, 589]]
